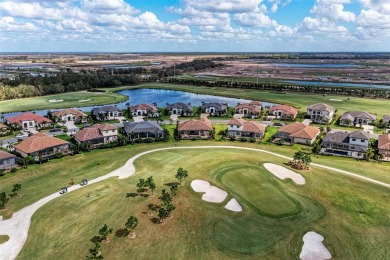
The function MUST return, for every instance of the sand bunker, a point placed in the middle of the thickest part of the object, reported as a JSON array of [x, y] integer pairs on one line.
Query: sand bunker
[[211, 193], [336, 99], [233, 205], [284, 173], [55, 100], [85, 100], [313, 248]]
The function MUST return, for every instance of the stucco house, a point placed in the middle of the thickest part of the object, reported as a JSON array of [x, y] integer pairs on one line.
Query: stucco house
[[348, 144], [144, 110], [251, 110], [7, 160], [196, 129], [70, 114], [29, 121], [180, 108], [296, 133], [283, 111], [357, 118], [241, 128], [43, 145], [214, 109], [106, 113], [384, 146], [97, 134], [144, 129], [321, 113]]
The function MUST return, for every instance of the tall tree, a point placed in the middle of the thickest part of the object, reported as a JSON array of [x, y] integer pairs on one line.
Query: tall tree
[[95, 252], [104, 232], [162, 214], [131, 224], [17, 187], [3, 200], [181, 174], [165, 197], [173, 189]]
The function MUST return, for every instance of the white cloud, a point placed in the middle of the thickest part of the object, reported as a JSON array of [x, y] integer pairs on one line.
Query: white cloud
[[8, 24], [29, 10], [333, 10], [254, 20]]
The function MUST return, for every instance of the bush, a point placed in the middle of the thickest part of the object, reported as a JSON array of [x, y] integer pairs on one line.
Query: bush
[[232, 138], [243, 139], [252, 139], [13, 170], [149, 140]]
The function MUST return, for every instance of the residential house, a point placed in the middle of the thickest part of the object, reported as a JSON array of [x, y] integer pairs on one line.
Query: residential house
[[252, 109], [144, 129], [283, 111], [180, 109], [241, 128], [97, 134], [297, 133], [144, 110], [29, 121], [7, 160], [384, 146], [214, 109], [386, 120], [70, 114], [106, 113], [321, 113], [348, 144], [195, 129], [42, 145], [355, 118]]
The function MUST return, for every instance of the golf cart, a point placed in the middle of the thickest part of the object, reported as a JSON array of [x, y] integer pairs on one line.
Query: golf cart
[[84, 182], [64, 190]]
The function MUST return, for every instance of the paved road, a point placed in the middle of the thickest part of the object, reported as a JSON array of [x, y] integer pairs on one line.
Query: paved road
[[17, 227]]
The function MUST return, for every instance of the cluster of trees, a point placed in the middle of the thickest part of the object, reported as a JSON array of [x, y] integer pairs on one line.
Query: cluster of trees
[[4, 197], [195, 65], [280, 88], [301, 161]]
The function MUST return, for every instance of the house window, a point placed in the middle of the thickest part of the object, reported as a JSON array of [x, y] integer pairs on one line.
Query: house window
[[353, 139], [362, 141], [113, 131], [237, 126]]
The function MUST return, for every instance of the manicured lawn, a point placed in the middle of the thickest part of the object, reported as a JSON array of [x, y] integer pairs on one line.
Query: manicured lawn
[[354, 222], [3, 238], [64, 137], [69, 100]]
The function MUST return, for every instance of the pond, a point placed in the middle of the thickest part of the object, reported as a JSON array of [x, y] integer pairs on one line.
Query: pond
[[161, 97]]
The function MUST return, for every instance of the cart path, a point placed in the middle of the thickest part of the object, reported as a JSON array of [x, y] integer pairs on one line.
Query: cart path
[[17, 227]]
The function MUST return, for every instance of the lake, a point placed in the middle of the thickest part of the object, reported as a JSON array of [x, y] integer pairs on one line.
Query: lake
[[161, 97], [316, 65], [337, 84]]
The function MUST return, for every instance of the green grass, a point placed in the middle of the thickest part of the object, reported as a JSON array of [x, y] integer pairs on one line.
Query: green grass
[[3, 238], [354, 222], [70, 99], [64, 137]]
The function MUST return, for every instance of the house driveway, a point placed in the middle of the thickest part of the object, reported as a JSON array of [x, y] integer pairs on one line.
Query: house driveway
[[71, 127], [174, 118], [306, 122], [368, 128], [138, 118]]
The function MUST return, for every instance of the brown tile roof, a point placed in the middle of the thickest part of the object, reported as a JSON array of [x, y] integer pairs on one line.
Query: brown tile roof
[[5, 155], [285, 108], [68, 111], [236, 121], [143, 106], [28, 117], [384, 142], [300, 130], [88, 134], [254, 106], [38, 142], [104, 127], [196, 125], [255, 127]]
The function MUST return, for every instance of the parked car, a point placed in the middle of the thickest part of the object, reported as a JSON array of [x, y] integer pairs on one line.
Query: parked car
[[55, 129], [21, 137]]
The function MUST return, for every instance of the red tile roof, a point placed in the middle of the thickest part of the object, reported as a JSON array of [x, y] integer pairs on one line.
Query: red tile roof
[[39, 142], [146, 107], [384, 142], [253, 127], [300, 130], [254, 106], [203, 124], [236, 121], [88, 134], [286, 109], [68, 111], [104, 127], [28, 117], [5, 155]]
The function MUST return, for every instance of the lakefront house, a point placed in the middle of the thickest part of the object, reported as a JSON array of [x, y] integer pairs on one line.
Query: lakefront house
[[70, 115], [28, 121], [283, 112], [106, 113], [144, 110], [180, 108], [251, 110]]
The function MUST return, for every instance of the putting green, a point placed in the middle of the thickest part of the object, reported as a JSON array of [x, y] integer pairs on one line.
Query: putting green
[[259, 190]]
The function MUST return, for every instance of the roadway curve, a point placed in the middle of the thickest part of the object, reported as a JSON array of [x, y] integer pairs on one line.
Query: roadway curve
[[17, 227]]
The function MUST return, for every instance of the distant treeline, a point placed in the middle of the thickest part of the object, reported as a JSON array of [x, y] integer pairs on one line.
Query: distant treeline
[[376, 93]]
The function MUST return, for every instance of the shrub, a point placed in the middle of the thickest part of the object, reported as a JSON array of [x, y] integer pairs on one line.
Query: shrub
[[252, 139], [243, 139], [13, 170]]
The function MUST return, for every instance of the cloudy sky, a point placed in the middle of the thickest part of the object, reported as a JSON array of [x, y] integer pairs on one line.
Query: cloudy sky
[[194, 25]]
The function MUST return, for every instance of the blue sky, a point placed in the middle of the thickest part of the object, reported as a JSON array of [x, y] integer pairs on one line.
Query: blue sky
[[194, 25]]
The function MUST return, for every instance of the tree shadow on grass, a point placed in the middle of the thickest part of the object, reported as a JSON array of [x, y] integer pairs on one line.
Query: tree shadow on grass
[[144, 195], [121, 232], [171, 184], [95, 239], [155, 220], [132, 194], [153, 207]]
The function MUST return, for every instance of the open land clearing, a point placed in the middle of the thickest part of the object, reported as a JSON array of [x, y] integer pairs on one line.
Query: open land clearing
[[354, 223]]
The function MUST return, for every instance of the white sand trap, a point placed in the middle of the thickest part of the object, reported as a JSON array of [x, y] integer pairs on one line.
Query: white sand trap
[[313, 248], [284, 173], [211, 193], [55, 100], [233, 205], [85, 100], [336, 99]]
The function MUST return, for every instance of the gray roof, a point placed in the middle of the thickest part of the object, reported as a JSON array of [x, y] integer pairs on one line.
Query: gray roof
[[180, 105], [360, 114], [386, 118], [142, 127], [218, 106], [105, 109], [343, 137], [322, 107]]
